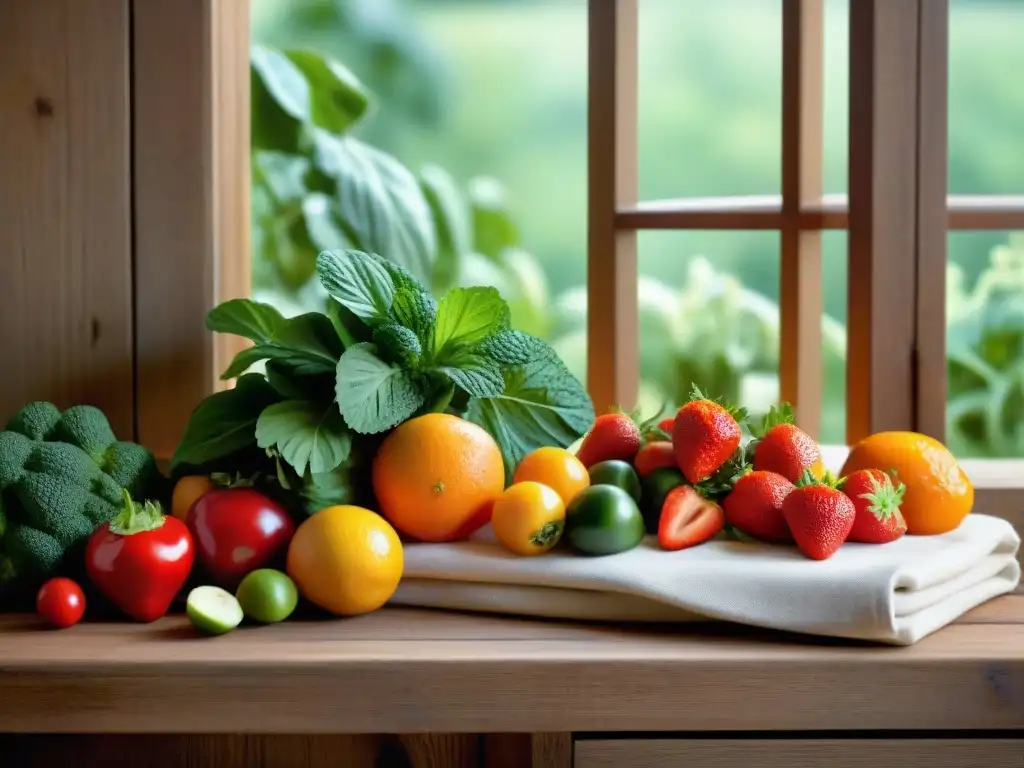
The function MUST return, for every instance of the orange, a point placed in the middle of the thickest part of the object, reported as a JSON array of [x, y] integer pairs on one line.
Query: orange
[[347, 560], [436, 477], [938, 496], [529, 518], [187, 492], [555, 468]]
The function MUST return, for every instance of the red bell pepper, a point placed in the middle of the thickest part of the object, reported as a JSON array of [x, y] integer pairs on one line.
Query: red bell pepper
[[238, 530], [140, 560]]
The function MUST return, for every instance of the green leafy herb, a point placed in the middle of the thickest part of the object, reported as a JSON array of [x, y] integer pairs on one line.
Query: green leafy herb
[[360, 283], [225, 422], [374, 395], [467, 316], [305, 435]]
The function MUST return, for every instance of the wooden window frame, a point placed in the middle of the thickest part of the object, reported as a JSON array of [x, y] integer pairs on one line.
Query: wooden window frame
[[897, 215]]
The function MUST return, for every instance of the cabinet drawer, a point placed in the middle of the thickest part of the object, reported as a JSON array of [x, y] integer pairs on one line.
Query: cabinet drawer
[[799, 753]]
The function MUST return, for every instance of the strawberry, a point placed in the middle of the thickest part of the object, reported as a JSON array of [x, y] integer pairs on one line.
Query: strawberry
[[688, 519], [877, 500], [755, 506], [665, 425], [705, 435], [819, 515], [784, 448], [657, 454], [613, 436]]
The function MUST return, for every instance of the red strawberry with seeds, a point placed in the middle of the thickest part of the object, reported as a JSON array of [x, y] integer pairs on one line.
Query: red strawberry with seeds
[[755, 506], [613, 436], [657, 454], [784, 448], [688, 519], [819, 515], [705, 435], [876, 498]]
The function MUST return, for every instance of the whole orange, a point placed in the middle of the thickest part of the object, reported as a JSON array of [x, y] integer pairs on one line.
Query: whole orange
[[347, 560], [938, 496], [555, 468], [437, 476]]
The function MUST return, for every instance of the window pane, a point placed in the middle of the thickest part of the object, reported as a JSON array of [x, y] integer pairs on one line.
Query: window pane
[[986, 97], [836, 127], [491, 91], [709, 314], [985, 344], [710, 104]]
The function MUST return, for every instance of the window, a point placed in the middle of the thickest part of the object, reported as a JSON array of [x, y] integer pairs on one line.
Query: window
[[896, 214]]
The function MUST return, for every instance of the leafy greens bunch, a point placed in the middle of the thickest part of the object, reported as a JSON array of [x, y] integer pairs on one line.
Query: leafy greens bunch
[[385, 351]]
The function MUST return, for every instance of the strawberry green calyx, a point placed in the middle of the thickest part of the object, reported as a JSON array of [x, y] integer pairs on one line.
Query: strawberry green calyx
[[136, 518], [777, 414], [738, 413], [885, 499], [827, 479]]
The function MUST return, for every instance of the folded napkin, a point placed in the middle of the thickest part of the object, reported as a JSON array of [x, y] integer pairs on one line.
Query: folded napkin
[[894, 593]]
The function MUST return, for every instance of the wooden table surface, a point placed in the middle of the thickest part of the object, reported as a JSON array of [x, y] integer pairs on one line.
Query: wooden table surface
[[414, 671]]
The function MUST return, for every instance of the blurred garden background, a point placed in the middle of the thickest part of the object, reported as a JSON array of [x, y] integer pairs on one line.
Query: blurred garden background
[[456, 130]]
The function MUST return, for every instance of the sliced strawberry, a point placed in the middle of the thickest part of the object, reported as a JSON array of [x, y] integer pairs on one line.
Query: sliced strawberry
[[688, 519], [658, 454]]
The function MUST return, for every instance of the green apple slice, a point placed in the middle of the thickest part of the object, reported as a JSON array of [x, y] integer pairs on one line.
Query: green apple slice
[[213, 610]]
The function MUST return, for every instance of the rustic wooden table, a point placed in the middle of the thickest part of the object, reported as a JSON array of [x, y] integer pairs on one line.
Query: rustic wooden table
[[312, 693]]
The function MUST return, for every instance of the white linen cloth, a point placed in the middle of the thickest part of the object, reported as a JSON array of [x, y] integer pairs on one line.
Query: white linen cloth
[[894, 593]]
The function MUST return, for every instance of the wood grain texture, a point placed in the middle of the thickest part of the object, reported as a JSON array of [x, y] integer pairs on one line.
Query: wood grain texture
[[65, 207], [191, 132], [798, 753], [551, 750], [374, 674]]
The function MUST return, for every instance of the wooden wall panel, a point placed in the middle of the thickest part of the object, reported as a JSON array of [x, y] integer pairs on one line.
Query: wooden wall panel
[[65, 218], [191, 130]]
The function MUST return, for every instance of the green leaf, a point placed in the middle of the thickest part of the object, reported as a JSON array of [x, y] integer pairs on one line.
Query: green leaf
[[280, 100], [542, 404], [374, 395], [359, 282], [246, 318], [306, 434], [295, 386], [338, 99], [493, 228], [467, 316], [512, 347], [451, 224], [478, 376], [225, 422], [398, 344], [416, 310], [308, 344], [245, 360], [380, 203]]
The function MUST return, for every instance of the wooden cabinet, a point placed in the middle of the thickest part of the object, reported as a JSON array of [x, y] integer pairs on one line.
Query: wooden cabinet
[[798, 753]]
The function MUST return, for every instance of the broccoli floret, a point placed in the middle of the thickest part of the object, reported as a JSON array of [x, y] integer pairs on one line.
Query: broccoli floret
[[61, 476]]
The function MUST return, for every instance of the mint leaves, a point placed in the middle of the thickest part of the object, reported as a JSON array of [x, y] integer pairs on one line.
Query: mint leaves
[[384, 352]]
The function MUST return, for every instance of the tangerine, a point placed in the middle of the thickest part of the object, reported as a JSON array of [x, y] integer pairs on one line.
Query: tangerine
[[436, 477], [938, 493], [555, 468], [347, 560], [529, 518]]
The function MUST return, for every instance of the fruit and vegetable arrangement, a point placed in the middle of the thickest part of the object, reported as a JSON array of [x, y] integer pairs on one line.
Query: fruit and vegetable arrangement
[[394, 418]]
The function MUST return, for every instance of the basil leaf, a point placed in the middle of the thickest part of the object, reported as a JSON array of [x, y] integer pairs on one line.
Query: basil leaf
[[225, 422], [542, 404], [357, 281], [478, 376], [467, 316], [308, 344], [306, 434], [245, 360], [374, 395], [380, 203], [337, 100], [249, 319]]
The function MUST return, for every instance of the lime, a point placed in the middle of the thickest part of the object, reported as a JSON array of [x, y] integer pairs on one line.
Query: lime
[[213, 610], [267, 595]]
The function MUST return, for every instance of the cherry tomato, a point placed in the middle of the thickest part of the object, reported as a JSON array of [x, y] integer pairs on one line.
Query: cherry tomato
[[60, 602]]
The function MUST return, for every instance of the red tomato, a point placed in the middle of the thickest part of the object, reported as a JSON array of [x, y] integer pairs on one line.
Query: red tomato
[[236, 531], [60, 602]]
